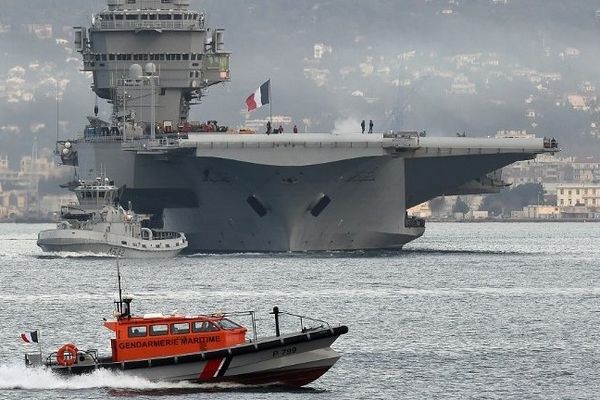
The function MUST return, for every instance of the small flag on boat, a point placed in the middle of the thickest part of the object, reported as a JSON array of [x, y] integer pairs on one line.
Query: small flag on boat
[[30, 337], [260, 97]]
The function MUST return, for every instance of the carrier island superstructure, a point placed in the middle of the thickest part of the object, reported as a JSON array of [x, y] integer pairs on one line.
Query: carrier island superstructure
[[153, 59]]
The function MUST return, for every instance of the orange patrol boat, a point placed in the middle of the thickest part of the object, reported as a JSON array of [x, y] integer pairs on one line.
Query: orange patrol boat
[[203, 348]]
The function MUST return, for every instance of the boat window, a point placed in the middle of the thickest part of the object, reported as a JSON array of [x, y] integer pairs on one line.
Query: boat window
[[177, 16], [119, 16], [131, 17], [152, 16], [164, 17], [157, 330], [182, 327], [138, 331], [204, 326], [227, 324], [144, 16]]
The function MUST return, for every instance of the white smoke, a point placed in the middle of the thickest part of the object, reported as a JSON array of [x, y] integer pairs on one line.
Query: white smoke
[[346, 126]]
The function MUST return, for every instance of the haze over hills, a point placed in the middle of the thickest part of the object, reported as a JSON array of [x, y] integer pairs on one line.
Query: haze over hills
[[440, 66]]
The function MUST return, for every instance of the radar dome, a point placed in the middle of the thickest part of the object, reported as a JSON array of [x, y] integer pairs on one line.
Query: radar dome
[[150, 69], [135, 71]]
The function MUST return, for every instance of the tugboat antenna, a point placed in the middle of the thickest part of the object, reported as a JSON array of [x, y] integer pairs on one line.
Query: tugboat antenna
[[120, 290], [124, 304]]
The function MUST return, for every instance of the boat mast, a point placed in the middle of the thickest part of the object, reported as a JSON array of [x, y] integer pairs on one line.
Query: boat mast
[[123, 304], [120, 290]]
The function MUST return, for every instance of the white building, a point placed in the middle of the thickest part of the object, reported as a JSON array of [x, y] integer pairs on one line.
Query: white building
[[571, 194]]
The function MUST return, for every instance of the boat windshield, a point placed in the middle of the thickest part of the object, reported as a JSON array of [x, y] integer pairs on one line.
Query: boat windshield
[[204, 326], [228, 324]]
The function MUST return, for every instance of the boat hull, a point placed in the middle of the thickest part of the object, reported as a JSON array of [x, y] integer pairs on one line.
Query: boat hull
[[86, 242], [291, 360]]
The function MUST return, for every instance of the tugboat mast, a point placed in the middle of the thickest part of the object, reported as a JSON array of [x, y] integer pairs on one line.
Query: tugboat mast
[[123, 305]]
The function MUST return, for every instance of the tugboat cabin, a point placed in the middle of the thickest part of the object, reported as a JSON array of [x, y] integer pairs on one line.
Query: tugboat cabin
[[157, 335]]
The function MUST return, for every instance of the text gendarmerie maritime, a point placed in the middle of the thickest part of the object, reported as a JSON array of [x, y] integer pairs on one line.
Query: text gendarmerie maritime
[[169, 342]]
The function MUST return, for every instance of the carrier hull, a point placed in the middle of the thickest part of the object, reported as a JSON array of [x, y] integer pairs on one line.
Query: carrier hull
[[229, 205]]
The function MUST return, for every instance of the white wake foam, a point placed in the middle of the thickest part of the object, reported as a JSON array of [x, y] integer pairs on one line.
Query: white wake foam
[[21, 377], [72, 254]]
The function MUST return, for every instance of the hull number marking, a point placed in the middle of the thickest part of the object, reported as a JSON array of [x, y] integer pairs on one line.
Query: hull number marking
[[284, 352]]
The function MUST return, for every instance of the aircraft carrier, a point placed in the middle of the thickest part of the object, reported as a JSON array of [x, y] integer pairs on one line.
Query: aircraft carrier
[[229, 191]]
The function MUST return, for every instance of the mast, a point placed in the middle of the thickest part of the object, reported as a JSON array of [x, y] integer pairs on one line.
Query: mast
[[123, 305], [120, 289]]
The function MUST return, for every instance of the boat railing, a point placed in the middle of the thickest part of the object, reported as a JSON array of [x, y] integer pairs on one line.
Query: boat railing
[[302, 319], [146, 25], [82, 355], [162, 235], [251, 314]]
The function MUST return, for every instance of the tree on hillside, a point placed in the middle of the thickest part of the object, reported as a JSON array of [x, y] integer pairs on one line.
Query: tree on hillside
[[460, 206]]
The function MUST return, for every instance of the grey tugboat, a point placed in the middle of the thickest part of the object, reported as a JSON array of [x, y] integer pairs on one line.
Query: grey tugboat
[[96, 225]]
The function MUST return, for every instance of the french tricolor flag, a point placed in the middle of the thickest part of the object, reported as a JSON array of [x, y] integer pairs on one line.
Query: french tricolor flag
[[30, 337], [260, 97]]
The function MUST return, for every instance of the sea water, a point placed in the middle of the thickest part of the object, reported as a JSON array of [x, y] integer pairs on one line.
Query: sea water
[[482, 310]]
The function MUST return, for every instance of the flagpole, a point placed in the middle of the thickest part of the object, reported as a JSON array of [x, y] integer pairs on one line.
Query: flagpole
[[270, 104], [40, 347]]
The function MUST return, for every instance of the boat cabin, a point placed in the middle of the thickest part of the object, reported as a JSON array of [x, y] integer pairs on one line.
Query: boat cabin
[[157, 335], [97, 193]]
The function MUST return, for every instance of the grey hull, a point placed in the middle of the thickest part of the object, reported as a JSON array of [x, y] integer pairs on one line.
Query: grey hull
[[208, 199], [91, 242]]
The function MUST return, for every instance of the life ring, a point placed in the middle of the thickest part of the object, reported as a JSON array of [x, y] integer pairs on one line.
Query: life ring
[[69, 360]]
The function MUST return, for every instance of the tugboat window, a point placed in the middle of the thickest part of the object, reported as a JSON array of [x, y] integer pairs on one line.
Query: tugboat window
[[180, 328], [227, 324], [138, 331], [157, 330], [204, 326]]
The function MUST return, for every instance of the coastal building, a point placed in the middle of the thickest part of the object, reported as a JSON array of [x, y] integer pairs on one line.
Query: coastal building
[[578, 194], [543, 212]]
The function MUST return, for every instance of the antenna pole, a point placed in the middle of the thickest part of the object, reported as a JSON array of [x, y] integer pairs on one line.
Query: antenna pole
[[57, 110], [270, 104], [120, 290]]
